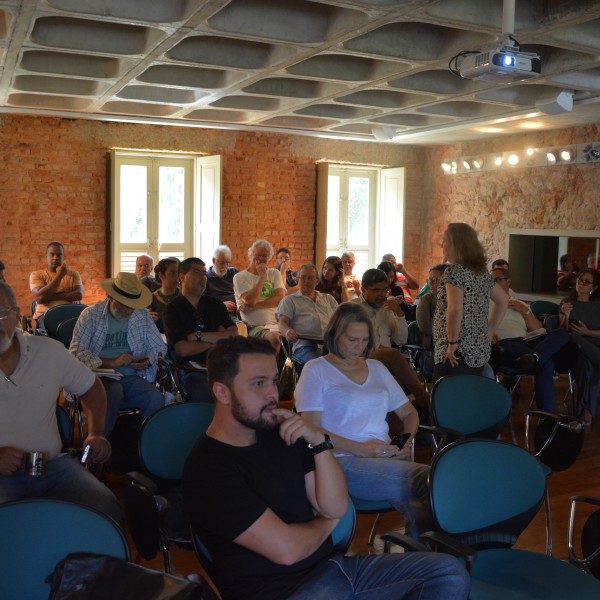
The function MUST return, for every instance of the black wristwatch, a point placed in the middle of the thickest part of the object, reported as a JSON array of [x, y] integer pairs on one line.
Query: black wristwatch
[[199, 335], [326, 445]]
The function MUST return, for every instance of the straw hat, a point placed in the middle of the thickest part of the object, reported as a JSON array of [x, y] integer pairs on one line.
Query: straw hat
[[127, 289]]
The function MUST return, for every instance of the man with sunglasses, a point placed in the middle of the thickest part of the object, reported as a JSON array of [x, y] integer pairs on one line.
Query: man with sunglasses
[[517, 346]]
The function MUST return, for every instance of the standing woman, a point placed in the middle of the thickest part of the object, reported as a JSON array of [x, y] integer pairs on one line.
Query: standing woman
[[332, 279], [167, 274], [580, 314], [461, 332]]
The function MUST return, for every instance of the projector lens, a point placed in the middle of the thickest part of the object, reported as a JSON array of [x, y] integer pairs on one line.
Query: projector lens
[[508, 60]]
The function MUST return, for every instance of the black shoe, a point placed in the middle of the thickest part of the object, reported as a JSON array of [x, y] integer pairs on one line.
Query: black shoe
[[526, 362]]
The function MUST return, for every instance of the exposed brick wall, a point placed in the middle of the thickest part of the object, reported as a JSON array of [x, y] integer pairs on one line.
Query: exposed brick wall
[[53, 187]]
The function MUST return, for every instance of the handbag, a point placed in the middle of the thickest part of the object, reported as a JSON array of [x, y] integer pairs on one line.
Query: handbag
[[86, 576]]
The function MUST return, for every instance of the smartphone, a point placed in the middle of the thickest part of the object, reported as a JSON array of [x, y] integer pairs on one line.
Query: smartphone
[[86, 453], [400, 440]]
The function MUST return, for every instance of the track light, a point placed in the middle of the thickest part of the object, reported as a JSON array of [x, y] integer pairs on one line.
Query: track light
[[499, 160], [478, 163], [552, 156], [446, 167], [513, 159], [466, 165], [566, 155]]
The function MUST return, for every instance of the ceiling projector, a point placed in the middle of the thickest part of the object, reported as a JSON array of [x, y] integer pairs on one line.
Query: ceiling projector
[[500, 65]]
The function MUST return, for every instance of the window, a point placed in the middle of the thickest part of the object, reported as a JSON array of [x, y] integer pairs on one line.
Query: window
[[163, 206]]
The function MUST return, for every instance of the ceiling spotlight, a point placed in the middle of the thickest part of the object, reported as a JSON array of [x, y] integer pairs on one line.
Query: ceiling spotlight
[[552, 157], [499, 160], [556, 105], [530, 151], [478, 163], [466, 165], [513, 160], [566, 155], [446, 167], [454, 167]]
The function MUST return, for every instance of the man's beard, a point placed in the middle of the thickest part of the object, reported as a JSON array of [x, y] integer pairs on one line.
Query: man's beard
[[5, 342], [258, 423]]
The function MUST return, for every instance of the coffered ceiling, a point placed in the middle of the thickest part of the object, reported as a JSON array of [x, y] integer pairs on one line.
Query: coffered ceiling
[[346, 69]]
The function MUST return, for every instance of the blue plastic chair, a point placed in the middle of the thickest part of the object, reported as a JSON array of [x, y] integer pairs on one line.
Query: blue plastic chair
[[483, 494], [153, 500], [37, 534], [54, 316]]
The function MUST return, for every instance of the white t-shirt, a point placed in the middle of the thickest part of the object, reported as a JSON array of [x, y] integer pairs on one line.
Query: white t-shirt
[[244, 281], [356, 412], [28, 411]]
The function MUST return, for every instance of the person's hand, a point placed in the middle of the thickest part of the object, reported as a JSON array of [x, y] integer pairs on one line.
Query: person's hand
[[356, 285], [451, 355], [291, 335], [293, 427], [123, 360], [261, 269], [392, 305], [566, 308], [494, 340], [242, 305], [100, 449], [580, 327], [519, 306], [284, 266], [10, 460], [141, 363], [400, 268], [153, 314], [61, 270], [378, 449], [230, 306], [404, 454]]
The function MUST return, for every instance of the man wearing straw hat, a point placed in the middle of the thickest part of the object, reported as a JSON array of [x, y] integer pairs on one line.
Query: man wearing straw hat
[[119, 334]]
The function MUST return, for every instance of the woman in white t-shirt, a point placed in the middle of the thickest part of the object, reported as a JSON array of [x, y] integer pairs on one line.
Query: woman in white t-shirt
[[349, 396]]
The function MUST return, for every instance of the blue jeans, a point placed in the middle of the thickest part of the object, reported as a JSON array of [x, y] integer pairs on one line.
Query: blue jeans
[[303, 354], [130, 391], [194, 385], [65, 479], [402, 483], [409, 576]]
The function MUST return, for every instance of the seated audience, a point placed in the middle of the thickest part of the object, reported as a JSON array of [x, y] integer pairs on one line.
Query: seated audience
[[54, 285], [283, 262], [567, 274], [389, 327], [219, 278], [118, 333], [332, 279], [258, 291], [351, 282], [167, 275], [349, 396], [532, 356], [304, 316], [405, 279], [193, 323], [427, 305], [396, 291], [144, 264], [34, 370], [276, 493], [580, 315], [500, 263]]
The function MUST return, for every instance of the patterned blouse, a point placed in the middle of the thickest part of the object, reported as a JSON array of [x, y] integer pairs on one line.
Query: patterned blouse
[[473, 342]]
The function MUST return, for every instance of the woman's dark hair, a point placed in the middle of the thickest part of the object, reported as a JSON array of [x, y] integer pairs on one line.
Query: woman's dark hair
[[466, 247], [563, 262], [388, 267], [595, 295], [163, 265], [335, 286], [346, 313]]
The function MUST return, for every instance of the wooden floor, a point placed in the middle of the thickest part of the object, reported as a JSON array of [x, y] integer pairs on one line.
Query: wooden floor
[[583, 478]]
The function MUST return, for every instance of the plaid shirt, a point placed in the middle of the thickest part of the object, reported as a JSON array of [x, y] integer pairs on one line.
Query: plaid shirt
[[142, 336]]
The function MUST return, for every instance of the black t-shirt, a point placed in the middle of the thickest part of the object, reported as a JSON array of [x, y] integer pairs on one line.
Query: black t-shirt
[[227, 488], [181, 318], [220, 288]]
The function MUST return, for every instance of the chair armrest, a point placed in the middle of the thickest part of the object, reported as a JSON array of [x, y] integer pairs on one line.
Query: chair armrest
[[588, 499], [439, 539], [440, 435], [403, 541], [135, 478]]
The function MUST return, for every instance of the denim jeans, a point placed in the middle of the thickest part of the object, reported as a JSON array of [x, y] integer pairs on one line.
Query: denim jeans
[[409, 576], [65, 479], [303, 354], [402, 483], [127, 392]]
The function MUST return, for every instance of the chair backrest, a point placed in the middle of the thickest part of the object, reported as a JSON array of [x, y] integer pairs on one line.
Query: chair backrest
[[37, 534], [543, 308], [557, 439], [57, 314], [64, 331], [414, 335], [65, 427], [167, 437], [473, 405], [485, 492]]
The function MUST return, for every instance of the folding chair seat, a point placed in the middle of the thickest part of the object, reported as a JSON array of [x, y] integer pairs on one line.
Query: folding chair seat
[[484, 493], [153, 499]]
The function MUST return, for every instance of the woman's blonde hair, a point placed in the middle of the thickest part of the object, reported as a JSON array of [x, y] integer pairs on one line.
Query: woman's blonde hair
[[466, 247]]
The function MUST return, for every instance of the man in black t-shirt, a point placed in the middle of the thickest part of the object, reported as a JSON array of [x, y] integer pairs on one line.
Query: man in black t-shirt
[[264, 491], [193, 323]]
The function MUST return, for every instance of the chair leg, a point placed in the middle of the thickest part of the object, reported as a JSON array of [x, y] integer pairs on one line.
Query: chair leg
[[374, 529], [548, 524], [164, 547]]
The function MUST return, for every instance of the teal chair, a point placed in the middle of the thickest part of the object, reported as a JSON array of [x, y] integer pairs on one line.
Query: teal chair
[[153, 499], [64, 331], [54, 316], [65, 427], [37, 534], [483, 494]]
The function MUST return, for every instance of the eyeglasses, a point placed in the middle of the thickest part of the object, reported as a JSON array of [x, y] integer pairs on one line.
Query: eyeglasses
[[5, 311], [584, 281]]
